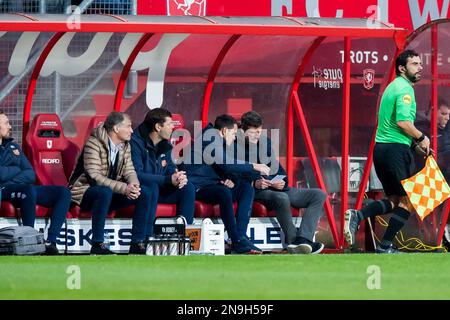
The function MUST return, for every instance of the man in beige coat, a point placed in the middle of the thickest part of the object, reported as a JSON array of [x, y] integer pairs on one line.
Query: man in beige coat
[[105, 180]]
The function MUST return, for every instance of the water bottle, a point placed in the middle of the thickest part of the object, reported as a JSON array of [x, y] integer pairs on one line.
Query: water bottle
[[106, 240]]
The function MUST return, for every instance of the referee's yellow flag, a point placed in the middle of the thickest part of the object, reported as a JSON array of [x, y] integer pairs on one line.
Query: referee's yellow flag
[[427, 189]]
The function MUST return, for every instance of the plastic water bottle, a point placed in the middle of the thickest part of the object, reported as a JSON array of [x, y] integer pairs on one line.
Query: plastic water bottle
[[107, 240]]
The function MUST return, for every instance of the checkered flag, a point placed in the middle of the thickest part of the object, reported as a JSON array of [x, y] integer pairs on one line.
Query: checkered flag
[[427, 189]]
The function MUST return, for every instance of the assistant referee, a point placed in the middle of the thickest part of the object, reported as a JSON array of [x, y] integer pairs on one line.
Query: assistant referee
[[393, 158]]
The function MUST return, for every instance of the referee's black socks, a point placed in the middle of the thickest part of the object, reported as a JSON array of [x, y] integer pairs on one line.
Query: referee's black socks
[[396, 223], [376, 208]]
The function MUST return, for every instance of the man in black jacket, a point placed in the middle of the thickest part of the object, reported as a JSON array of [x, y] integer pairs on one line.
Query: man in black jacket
[[151, 152], [17, 179], [209, 176], [443, 144], [443, 137], [276, 195]]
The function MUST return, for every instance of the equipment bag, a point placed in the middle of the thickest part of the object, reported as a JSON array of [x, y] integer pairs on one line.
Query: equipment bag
[[21, 241]]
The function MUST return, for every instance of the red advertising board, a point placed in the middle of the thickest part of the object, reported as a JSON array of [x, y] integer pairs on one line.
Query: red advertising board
[[409, 14]]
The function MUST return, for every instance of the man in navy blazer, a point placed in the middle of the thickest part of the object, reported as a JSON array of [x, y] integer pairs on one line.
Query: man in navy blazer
[[151, 152]]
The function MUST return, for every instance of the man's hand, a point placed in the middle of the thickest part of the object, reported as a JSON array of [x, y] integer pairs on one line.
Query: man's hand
[[182, 179], [423, 148], [174, 178], [425, 145], [262, 184], [228, 183], [262, 168], [279, 185], [419, 150], [179, 178], [133, 191]]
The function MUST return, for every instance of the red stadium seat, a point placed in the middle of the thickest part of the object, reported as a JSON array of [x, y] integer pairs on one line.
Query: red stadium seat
[[77, 213], [203, 210], [260, 211], [7, 210], [45, 146], [216, 213], [96, 121], [178, 123], [163, 210], [50, 153]]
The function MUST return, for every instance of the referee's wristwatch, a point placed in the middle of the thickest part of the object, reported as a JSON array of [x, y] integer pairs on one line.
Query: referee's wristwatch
[[420, 139]]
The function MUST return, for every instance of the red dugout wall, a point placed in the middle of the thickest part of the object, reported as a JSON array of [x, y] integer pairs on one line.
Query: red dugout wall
[[401, 13], [317, 80], [207, 64]]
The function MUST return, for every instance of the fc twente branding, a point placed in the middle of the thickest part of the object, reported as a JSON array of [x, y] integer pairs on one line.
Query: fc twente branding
[[186, 7]]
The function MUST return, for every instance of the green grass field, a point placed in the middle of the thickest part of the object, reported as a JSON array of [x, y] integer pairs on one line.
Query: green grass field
[[343, 276]]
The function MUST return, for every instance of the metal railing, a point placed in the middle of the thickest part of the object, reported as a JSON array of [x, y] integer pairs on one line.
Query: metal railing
[[58, 95], [34, 6]]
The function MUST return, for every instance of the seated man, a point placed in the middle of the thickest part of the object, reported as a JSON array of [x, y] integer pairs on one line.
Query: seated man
[[443, 146], [278, 196], [105, 180], [443, 157], [152, 158], [443, 137], [212, 187], [16, 182]]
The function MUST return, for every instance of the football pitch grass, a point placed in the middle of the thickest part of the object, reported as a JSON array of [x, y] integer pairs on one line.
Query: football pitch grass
[[273, 277]]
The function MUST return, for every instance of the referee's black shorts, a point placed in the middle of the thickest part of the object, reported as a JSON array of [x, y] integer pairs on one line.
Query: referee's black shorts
[[393, 163]]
